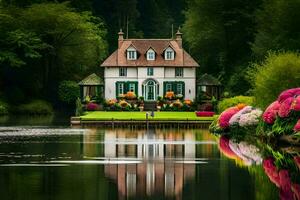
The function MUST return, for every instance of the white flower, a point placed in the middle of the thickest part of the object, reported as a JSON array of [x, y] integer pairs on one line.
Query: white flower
[[251, 118], [236, 117]]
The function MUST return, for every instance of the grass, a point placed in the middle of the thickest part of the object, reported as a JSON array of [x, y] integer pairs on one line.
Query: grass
[[141, 116]]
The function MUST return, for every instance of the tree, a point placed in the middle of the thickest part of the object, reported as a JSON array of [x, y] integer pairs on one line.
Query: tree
[[219, 32], [279, 71], [53, 42], [277, 27]]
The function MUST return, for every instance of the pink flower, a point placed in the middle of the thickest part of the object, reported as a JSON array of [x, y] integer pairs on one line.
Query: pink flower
[[296, 191], [226, 115], [270, 113], [285, 185], [297, 126], [285, 107], [296, 104], [288, 93], [92, 106], [225, 148], [271, 171], [297, 161]]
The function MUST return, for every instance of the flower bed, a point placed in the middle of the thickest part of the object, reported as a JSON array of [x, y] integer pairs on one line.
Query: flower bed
[[238, 120], [282, 117]]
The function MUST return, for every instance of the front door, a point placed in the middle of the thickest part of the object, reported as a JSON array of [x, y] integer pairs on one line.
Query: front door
[[150, 91]]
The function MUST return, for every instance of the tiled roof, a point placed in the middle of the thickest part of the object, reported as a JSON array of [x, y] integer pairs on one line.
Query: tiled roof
[[92, 79], [207, 79], [118, 58]]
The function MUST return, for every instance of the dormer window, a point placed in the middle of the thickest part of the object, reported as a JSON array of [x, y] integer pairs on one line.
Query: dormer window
[[169, 54], [150, 54], [131, 53]]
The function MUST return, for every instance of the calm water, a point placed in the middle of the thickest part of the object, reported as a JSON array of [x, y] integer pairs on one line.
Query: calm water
[[63, 163]]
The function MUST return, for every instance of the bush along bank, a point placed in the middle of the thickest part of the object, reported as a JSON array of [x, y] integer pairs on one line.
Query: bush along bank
[[282, 117], [280, 121], [34, 107], [237, 121]]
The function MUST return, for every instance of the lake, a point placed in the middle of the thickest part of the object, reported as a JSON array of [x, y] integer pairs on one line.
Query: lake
[[59, 162]]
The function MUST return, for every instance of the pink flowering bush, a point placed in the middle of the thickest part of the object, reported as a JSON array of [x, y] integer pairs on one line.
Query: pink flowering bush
[[296, 104], [226, 116], [92, 106], [297, 126], [285, 107], [288, 93], [270, 114], [271, 171], [296, 191]]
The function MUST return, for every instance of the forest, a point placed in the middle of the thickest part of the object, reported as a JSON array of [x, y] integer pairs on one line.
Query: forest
[[46, 42]]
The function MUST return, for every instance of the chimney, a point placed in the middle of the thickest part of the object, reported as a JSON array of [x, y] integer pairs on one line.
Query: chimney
[[121, 38], [179, 37]]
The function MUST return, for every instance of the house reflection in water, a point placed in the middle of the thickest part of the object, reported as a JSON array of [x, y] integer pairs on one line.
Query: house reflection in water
[[162, 168]]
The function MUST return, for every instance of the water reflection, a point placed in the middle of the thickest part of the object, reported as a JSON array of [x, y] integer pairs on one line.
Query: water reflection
[[47, 163]]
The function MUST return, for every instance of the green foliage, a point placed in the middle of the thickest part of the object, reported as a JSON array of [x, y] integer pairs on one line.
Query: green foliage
[[278, 28], [68, 92], [280, 71], [79, 110], [229, 102], [3, 108], [35, 107]]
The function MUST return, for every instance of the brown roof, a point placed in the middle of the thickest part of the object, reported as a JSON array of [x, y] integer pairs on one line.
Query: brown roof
[[118, 58]]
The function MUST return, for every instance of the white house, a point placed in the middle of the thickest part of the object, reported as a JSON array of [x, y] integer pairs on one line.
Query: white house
[[150, 68]]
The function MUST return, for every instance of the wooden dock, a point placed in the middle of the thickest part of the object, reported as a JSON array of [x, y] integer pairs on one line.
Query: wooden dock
[[76, 121]]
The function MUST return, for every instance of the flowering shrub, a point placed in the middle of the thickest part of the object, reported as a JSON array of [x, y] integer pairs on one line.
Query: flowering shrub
[[226, 115], [297, 126], [250, 119], [130, 95], [188, 102], [92, 106], [111, 102], [283, 115], [270, 114], [177, 103], [123, 103], [242, 152], [236, 117], [169, 95], [204, 113]]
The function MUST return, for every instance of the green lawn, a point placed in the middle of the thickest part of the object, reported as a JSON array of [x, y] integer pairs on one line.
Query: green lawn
[[140, 116]]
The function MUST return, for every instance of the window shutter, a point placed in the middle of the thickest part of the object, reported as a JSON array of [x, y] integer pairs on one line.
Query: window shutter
[[174, 87], [117, 88], [165, 89], [136, 88], [183, 89]]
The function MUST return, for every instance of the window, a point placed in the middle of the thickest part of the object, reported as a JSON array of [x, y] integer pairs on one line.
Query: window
[[132, 87], [131, 53], [169, 54], [150, 55], [178, 72], [122, 71], [169, 87], [179, 88], [150, 71], [121, 88], [203, 88]]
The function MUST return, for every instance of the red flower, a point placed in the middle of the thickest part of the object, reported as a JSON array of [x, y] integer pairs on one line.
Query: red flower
[[285, 107], [226, 115], [288, 93], [297, 126], [285, 185], [296, 191], [297, 161], [225, 148], [92, 107], [296, 104], [271, 171], [270, 113]]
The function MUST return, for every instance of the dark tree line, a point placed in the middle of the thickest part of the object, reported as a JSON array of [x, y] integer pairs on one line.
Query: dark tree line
[[43, 42]]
